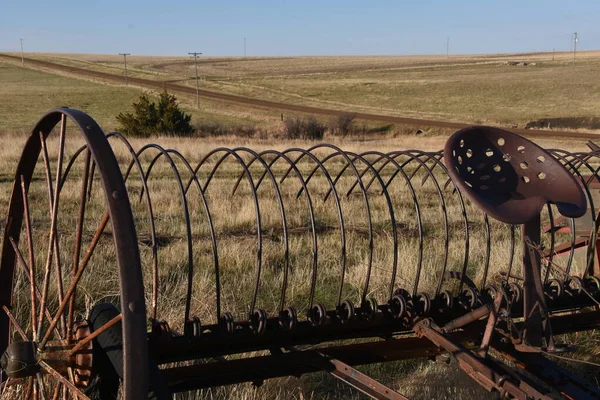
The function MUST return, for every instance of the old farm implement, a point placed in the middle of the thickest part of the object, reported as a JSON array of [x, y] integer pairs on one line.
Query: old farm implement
[[134, 270]]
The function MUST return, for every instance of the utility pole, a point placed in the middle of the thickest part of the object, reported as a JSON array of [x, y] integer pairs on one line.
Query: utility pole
[[448, 47], [553, 52], [196, 54], [244, 48], [22, 56], [575, 40], [125, 57]]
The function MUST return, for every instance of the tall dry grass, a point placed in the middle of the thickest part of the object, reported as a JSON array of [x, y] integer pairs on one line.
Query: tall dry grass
[[235, 225]]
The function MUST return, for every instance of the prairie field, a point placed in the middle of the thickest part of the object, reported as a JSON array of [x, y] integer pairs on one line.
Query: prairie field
[[473, 89], [461, 88]]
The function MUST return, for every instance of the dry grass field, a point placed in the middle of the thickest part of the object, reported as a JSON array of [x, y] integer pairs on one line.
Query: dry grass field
[[469, 88], [234, 223], [461, 88], [27, 94]]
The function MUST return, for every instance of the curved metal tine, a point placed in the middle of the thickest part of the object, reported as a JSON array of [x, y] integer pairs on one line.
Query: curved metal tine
[[369, 166], [256, 156], [239, 179], [136, 161], [590, 257], [437, 154], [78, 235], [429, 155], [227, 153], [298, 174], [213, 235], [53, 243], [488, 250], [293, 166], [392, 219], [163, 153], [592, 245], [31, 269], [552, 242], [391, 158], [432, 156], [323, 169], [314, 170], [339, 175], [512, 253], [591, 248], [346, 157], [436, 158], [230, 152], [70, 164]]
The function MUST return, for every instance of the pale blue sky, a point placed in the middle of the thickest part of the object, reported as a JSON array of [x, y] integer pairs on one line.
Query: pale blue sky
[[283, 27]]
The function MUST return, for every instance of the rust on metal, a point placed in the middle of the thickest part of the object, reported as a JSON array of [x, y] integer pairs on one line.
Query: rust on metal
[[448, 207]]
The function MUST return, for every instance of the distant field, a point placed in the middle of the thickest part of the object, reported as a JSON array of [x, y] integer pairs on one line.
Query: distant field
[[26, 94], [469, 88]]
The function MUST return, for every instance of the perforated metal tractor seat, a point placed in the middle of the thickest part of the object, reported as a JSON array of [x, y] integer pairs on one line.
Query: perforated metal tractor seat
[[510, 177]]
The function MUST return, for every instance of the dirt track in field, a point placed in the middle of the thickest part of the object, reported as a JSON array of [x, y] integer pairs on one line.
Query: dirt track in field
[[283, 106]]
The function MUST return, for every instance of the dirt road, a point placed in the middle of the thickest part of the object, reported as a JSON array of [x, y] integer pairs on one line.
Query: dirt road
[[283, 106]]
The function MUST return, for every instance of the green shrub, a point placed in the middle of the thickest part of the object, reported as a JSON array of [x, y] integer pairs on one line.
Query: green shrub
[[149, 118]]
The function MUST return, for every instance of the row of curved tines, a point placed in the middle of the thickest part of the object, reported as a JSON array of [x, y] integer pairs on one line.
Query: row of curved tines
[[365, 168]]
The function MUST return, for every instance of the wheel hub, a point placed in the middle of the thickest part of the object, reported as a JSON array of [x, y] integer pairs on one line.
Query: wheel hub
[[20, 360]]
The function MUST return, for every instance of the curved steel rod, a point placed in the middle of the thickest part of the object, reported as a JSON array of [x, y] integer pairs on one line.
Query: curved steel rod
[[163, 153], [213, 236]]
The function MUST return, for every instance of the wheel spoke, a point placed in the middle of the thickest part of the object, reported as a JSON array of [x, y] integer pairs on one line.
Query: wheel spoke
[[63, 380], [76, 278], [30, 386], [57, 390], [95, 334], [41, 386], [59, 168], [20, 330], [31, 257], [53, 197], [3, 386], [23, 264], [78, 235]]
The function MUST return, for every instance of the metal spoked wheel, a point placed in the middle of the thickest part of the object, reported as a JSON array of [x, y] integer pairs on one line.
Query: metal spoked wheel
[[69, 243]]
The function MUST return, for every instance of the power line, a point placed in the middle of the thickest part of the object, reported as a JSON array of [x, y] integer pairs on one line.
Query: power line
[[196, 54], [125, 57], [575, 40], [22, 56]]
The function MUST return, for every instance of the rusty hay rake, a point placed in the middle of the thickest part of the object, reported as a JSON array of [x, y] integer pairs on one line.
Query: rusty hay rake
[[134, 270]]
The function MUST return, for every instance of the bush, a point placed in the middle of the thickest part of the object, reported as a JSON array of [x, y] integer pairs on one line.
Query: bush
[[310, 128], [314, 129], [293, 128], [215, 129], [211, 129], [344, 124], [149, 118]]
